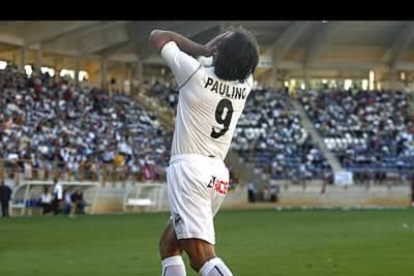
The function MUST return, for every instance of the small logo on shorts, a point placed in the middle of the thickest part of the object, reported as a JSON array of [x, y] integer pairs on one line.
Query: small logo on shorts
[[212, 182], [219, 186], [176, 218]]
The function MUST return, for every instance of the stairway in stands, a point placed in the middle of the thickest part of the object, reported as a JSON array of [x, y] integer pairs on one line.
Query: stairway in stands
[[318, 140], [411, 102], [163, 113], [245, 172]]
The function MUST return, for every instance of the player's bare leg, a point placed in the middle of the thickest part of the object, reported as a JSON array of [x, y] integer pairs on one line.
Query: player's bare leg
[[171, 253], [203, 258], [169, 245]]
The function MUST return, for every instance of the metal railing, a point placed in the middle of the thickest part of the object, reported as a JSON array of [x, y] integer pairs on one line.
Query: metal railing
[[23, 170]]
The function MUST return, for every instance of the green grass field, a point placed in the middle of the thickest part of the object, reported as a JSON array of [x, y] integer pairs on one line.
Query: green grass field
[[252, 243]]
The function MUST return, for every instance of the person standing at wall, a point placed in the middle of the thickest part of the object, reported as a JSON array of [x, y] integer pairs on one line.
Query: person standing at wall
[[5, 196], [58, 196], [46, 201]]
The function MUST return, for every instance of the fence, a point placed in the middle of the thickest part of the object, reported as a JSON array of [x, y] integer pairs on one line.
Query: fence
[[22, 170]]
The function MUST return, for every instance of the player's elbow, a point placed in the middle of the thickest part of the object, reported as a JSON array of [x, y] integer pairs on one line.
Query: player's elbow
[[159, 38], [154, 36]]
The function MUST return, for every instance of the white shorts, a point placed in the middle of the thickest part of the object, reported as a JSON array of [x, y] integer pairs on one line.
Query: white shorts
[[197, 186]]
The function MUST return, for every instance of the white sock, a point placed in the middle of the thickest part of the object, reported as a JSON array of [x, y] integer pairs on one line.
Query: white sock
[[215, 267], [173, 266]]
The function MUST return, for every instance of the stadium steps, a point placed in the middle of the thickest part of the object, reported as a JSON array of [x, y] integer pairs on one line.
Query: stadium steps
[[163, 113], [310, 128], [411, 103], [244, 172]]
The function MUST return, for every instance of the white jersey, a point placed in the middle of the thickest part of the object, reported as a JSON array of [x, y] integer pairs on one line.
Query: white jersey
[[208, 107], [58, 191]]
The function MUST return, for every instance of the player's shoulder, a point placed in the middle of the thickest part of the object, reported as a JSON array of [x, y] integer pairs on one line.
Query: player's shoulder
[[168, 46], [250, 81]]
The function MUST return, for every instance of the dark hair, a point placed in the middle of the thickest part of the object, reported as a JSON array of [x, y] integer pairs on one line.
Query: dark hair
[[237, 55]]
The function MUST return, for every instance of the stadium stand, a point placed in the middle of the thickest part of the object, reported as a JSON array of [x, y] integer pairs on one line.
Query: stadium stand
[[44, 122], [165, 93], [49, 123], [270, 135], [371, 132]]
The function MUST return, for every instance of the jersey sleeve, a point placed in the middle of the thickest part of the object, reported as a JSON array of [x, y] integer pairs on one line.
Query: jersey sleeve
[[181, 64]]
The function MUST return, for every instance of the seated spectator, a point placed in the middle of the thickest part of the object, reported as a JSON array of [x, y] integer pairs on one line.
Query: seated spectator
[[328, 177], [67, 202], [274, 190], [266, 195], [251, 193], [46, 201], [148, 173], [78, 204]]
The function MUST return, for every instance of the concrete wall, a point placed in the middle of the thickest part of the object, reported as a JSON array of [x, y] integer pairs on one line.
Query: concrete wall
[[110, 199], [353, 196]]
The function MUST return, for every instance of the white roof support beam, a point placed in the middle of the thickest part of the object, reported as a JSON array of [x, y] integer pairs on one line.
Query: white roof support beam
[[99, 41], [141, 44], [319, 41], [400, 45], [404, 66], [121, 47], [332, 65], [11, 40], [12, 23], [124, 57], [72, 53], [138, 33], [45, 30], [285, 41], [77, 34], [346, 65]]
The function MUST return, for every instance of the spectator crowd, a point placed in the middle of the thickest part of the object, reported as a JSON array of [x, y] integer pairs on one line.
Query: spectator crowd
[[371, 132], [46, 121], [270, 135]]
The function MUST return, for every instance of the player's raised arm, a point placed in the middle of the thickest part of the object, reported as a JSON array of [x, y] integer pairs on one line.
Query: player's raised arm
[[212, 44], [159, 38]]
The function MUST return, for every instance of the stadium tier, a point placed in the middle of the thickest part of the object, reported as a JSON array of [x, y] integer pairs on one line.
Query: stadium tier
[[45, 122], [367, 130], [270, 135]]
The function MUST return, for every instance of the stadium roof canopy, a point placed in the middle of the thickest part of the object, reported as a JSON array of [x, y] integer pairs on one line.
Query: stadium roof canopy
[[288, 44]]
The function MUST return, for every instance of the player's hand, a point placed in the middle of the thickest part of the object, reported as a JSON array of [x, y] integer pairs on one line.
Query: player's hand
[[211, 46]]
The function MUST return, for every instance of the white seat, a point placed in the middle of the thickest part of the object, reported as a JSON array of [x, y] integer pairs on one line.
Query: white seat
[[141, 202]]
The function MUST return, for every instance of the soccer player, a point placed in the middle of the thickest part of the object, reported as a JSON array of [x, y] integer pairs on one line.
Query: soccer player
[[211, 100]]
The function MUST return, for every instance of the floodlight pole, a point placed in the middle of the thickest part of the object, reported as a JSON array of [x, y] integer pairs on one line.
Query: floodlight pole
[[22, 60], [104, 73], [393, 78], [38, 60], [77, 68]]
